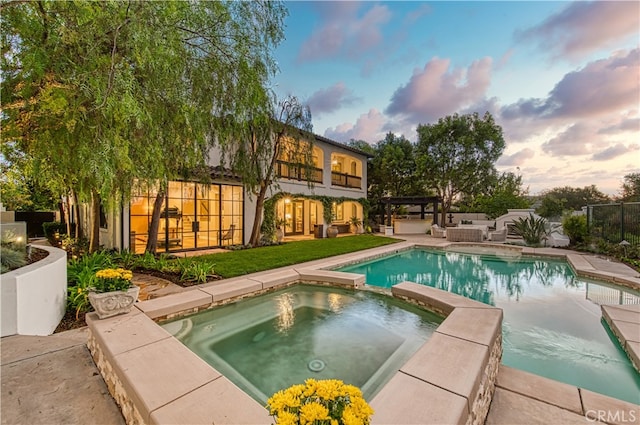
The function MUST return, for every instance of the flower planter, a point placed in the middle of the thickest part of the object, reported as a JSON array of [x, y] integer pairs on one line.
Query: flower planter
[[332, 231], [108, 304]]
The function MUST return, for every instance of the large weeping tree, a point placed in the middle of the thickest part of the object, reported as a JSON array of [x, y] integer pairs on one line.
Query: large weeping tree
[[279, 129], [457, 154], [100, 95]]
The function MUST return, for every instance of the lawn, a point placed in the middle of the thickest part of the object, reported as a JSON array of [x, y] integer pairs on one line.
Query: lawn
[[236, 263]]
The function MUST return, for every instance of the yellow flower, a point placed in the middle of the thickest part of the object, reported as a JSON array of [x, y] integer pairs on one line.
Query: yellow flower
[[287, 418], [329, 389], [313, 402], [311, 412], [79, 290]]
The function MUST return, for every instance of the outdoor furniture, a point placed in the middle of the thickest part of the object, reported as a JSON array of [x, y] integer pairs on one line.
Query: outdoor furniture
[[229, 235], [483, 227], [438, 232], [464, 234], [499, 236]]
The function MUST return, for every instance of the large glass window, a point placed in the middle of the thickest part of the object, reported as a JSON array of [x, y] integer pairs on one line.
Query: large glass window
[[193, 216]]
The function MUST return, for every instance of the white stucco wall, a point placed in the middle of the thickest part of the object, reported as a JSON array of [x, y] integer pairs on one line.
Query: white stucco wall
[[34, 297]]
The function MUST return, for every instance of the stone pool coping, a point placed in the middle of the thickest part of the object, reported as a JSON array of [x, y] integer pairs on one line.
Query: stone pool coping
[[156, 379]]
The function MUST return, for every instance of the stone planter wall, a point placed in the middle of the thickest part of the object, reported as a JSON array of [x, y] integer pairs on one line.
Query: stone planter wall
[[34, 297]]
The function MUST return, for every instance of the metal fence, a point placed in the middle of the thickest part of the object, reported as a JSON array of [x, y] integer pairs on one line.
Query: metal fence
[[615, 222]]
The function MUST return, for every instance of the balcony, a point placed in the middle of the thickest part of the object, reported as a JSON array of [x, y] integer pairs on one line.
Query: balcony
[[346, 180], [294, 171]]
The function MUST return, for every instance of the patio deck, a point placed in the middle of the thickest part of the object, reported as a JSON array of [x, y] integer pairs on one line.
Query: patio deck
[[60, 361]]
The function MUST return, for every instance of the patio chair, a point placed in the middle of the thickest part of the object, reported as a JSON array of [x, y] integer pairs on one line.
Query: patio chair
[[228, 236], [438, 232], [499, 236]]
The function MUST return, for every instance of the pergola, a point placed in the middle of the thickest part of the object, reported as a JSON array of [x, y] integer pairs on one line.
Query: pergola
[[412, 200]]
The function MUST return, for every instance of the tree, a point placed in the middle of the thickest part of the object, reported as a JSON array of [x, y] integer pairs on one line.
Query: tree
[[110, 93], [457, 155], [557, 200], [504, 193], [282, 130], [630, 191], [362, 146], [392, 171], [551, 206]]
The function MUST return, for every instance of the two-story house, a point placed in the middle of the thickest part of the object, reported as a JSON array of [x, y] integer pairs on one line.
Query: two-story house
[[200, 216]]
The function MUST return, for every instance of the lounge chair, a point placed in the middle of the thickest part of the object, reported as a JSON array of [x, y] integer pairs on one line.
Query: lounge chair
[[499, 236], [438, 232]]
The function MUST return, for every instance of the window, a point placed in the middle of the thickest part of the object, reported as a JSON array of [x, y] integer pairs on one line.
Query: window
[[195, 216]]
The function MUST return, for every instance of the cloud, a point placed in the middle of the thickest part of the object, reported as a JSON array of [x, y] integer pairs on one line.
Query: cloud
[[343, 33], [436, 91], [601, 87], [368, 127], [331, 99], [615, 151], [574, 141], [624, 126], [519, 158], [417, 13], [584, 27]]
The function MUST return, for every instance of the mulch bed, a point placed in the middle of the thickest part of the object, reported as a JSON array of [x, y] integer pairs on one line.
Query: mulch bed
[[37, 254], [69, 322]]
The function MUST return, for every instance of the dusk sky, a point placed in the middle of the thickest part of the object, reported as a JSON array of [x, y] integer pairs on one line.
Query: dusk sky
[[562, 79]]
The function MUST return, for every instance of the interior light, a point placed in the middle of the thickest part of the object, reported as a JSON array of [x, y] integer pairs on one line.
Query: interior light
[[287, 200]]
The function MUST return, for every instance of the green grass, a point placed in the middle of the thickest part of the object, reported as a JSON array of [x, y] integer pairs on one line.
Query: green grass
[[237, 263]]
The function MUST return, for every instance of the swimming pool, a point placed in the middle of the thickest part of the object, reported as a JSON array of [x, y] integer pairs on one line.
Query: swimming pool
[[552, 320], [272, 341]]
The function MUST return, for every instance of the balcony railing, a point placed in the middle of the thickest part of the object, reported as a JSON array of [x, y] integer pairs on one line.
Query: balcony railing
[[346, 180], [293, 171]]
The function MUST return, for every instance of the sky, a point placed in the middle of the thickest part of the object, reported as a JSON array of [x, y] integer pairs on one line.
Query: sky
[[562, 79]]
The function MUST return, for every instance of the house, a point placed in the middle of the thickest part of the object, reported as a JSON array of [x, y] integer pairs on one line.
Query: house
[[200, 216]]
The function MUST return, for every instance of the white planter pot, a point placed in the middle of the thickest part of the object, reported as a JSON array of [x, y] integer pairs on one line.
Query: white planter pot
[[108, 304]]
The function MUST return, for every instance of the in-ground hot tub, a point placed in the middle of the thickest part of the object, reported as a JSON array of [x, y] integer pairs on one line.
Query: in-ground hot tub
[[268, 343]]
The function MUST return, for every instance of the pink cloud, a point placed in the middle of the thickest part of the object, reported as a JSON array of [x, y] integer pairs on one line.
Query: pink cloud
[[519, 158], [571, 142], [615, 151], [631, 125], [368, 127], [343, 33], [601, 87], [330, 99], [583, 27], [436, 91]]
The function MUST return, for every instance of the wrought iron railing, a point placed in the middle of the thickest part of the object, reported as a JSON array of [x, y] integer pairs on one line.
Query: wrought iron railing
[[346, 180], [615, 222], [295, 171]]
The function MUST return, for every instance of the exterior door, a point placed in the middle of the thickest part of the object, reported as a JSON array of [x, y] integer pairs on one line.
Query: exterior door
[[294, 216]]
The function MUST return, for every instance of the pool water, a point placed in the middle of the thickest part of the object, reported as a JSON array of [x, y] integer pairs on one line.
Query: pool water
[[270, 342], [552, 319]]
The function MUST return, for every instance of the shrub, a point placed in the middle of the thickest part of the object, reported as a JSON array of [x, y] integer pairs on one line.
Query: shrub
[[50, 229], [531, 229], [80, 271], [195, 271], [575, 227], [11, 259], [126, 259], [12, 241], [75, 247]]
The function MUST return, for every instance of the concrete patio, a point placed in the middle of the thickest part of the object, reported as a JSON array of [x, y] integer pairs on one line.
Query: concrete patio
[[70, 390]]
